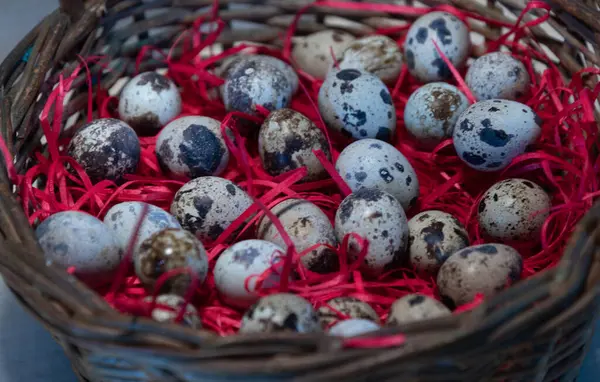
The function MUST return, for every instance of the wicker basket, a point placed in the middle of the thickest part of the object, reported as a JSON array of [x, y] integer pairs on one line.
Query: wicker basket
[[538, 330]]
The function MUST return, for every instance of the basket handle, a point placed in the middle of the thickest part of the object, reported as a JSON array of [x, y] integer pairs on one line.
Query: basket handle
[[73, 8]]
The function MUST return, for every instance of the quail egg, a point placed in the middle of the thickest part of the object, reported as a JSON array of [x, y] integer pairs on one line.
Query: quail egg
[[341, 308], [353, 327], [167, 308], [379, 55], [414, 308], [498, 75], [281, 312], [312, 53]]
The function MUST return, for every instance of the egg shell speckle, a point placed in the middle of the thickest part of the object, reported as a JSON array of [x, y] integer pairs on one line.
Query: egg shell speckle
[[206, 206], [148, 101], [306, 225], [286, 141], [350, 307], [433, 237], [106, 148], [452, 37], [378, 217], [192, 146], [353, 327], [167, 309], [370, 163], [490, 134], [514, 209], [414, 308], [485, 269], [498, 75], [345, 108], [312, 53], [281, 312], [432, 111], [379, 55]]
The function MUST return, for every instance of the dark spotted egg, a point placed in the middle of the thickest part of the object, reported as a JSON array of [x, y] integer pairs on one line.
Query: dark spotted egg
[[107, 149], [280, 312], [244, 260], [148, 101], [307, 226], [379, 55], [371, 163], [433, 237], [485, 269], [168, 250], [353, 327], [167, 308], [498, 75], [192, 146], [490, 134], [341, 308], [206, 206], [514, 209], [346, 108], [378, 217], [415, 308], [432, 111], [286, 141], [313, 55], [452, 36]]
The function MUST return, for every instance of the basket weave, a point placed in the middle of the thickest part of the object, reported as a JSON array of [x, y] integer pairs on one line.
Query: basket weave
[[538, 330]]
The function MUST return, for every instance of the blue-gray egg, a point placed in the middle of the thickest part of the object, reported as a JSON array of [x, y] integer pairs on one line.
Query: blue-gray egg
[[379, 55], [167, 308], [432, 111], [490, 134], [498, 75], [414, 308], [107, 149], [485, 269], [313, 53], [353, 327], [280, 312], [452, 36], [357, 104], [340, 308], [192, 146]]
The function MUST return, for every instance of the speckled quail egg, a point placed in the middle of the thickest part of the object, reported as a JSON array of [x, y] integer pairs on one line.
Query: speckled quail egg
[[122, 219], [167, 308], [371, 163], [106, 148], [414, 308], [76, 239], [490, 134], [192, 146], [433, 237], [485, 269], [378, 217], [248, 258], [286, 141], [206, 206], [345, 107], [307, 226], [432, 111], [452, 36], [280, 312], [353, 327], [514, 209], [341, 308], [379, 55], [312, 53], [148, 102], [498, 75]]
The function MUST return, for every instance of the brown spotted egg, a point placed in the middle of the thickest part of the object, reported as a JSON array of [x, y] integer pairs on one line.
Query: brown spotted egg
[[485, 269], [514, 209], [341, 308], [312, 53], [286, 142], [379, 218], [167, 308], [498, 75], [353, 327], [280, 312], [414, 308], [379, 55]]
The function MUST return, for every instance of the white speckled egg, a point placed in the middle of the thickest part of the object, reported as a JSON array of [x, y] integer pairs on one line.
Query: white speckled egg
[[414, 308], [242, 260], [346, 108], [379, 55], [148, 102], [192, 146], [167, 309], [76, 239], [280, 312], [371, 163], [432, 111], [353, 327], [452, 37], [312, 53], [306, 225], [206, 206], [490, 134], [286, 141], [106, 149], [498, 75], [348, 307], [122, 219], [433, 237], [485, 269], [514, 209], [378, 217]]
